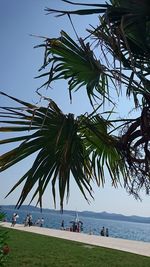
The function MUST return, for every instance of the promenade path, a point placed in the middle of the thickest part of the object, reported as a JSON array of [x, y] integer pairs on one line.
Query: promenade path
[[137, 247]]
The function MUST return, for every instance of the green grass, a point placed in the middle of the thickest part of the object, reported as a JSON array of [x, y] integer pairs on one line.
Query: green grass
[[30, 250]]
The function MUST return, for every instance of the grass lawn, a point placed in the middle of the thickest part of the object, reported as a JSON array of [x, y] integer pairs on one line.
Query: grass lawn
[[28, 249]]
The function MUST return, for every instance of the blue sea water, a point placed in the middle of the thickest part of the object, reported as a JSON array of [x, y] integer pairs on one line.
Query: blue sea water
[[118, 229]]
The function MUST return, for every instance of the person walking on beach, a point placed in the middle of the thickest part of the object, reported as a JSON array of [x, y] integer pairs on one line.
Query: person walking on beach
[[14, 219]]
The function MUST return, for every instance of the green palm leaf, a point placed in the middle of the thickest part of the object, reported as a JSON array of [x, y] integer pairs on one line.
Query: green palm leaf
[[64, 147], [60, 151], [104, 151], [75, 63]]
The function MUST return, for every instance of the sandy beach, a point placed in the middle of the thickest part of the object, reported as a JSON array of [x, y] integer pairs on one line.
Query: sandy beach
[[137, 247]]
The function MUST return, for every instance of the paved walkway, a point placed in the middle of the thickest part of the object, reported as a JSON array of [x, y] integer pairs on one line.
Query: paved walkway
[[137, 247]]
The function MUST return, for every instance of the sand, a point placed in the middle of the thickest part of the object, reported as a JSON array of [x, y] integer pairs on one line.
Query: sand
[[137, 247]]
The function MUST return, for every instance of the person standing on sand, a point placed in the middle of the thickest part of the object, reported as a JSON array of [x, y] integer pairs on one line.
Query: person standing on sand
[[41, 222], [38, 222], [107, 232], [62, 225], [26, 222], [90, 233], [102, 232], [14, 219], [30, 220]]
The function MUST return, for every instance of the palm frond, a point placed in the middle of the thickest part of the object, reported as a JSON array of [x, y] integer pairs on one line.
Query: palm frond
[[65, 146], [75, 63], [99, 8], [103, 148], [60, 151]]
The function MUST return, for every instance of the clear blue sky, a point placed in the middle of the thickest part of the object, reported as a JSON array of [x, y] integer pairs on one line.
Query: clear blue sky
[[19, 65]]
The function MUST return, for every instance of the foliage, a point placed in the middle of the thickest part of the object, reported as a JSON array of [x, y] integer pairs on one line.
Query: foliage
[[75, 63], [30, 249], [90, 145], [65, 146], [4, 249]]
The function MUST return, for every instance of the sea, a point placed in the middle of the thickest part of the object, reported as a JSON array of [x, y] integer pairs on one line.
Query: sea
[[117, 229]]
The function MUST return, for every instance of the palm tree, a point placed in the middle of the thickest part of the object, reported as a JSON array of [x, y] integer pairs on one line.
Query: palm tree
[[88, 145]]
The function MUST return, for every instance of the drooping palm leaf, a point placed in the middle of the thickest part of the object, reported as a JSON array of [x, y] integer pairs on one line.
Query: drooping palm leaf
[[75, 63], [104, 152], [65, 147], [59, 149]]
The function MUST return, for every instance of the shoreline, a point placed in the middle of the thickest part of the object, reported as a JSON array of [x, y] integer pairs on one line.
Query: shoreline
[[132, 246]]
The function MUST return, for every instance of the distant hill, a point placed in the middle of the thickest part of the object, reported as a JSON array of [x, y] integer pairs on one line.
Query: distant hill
[[117, 217], [97, 215]]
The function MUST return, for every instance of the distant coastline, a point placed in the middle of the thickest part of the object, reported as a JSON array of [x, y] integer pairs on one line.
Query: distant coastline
[[95, 215]]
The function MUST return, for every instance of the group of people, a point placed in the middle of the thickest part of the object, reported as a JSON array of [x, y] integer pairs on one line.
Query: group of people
[[76, 226], [28, 220], [40, 222], [104, 232]]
